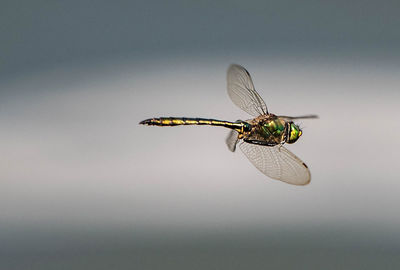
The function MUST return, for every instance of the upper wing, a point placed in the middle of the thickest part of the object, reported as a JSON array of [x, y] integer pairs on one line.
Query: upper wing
[[241, 91], [308, 116], [278, 163]]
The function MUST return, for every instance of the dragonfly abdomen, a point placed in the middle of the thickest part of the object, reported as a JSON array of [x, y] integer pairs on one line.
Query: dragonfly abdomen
[[177, 121]]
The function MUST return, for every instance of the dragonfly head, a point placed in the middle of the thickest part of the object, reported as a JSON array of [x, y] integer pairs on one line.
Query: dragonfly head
[[294, 133]]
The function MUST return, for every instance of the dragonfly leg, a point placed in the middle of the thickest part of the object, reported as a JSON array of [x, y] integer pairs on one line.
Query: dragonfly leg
[[260, 142]]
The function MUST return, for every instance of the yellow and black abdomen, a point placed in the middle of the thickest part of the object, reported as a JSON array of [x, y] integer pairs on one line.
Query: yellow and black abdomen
[[177, 121]]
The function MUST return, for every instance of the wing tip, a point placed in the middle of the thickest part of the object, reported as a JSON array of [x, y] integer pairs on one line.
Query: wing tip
[[237, 66], [308, 179], [305, 183], [233, 65]]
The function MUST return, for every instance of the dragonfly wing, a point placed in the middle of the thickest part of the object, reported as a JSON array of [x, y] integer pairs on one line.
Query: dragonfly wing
[[278, 163], [242, 92], [232, 140], [309, 116]]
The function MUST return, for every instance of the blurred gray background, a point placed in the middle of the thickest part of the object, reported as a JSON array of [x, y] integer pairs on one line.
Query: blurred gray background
[[83, 186]]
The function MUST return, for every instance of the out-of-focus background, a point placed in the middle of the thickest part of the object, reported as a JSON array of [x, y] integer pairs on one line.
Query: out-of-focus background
[[83, 186]]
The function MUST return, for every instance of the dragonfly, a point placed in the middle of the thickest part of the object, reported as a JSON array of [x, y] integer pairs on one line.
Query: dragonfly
[[261, 138]]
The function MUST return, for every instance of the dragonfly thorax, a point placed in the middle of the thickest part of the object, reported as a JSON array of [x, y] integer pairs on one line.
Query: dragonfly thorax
[[271, 130], [266, 130], [274, 128]]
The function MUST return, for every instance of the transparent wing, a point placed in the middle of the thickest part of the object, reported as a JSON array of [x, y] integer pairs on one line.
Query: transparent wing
[[308, 116], [278, 163], [242, 93], [232, 140]]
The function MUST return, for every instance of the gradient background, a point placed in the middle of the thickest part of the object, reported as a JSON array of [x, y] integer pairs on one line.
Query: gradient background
[[83, 186]]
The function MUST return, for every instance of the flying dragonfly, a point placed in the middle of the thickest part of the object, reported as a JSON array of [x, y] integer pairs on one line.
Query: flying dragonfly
[[261, 138]]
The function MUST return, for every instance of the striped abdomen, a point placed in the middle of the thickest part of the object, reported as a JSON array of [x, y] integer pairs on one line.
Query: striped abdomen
[[177, 121]]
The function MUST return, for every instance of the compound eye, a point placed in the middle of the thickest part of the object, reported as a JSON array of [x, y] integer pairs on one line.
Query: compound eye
[[294, 133]]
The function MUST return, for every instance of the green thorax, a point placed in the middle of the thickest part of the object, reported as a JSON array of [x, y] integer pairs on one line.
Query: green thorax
[[274, 128], [267, 130]]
